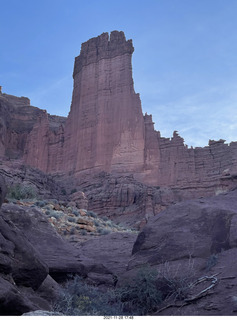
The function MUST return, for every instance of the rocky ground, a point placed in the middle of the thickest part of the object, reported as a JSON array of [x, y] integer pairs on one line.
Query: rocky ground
[[188, 252], [75, 225]]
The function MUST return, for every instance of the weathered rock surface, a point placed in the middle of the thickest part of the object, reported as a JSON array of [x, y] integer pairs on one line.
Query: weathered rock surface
[[18, 118], [12, 301], [195, 238], [208, 224], [107, 132], [113, 251], [21, 269], [19, 258], [126, 200], [15, 172], [59, 255], [104, 129]]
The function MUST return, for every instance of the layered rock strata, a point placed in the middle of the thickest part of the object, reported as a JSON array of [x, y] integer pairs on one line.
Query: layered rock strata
[[107, 132]]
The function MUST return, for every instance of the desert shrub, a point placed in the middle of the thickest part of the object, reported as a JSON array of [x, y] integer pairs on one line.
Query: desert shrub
[[73, 191], [140, 296], [103, 231], [109, 223], [105, 218], [40, 203], [55, 214], [72, 231], [83, 232], [78, 298], [63, 191], [175, 283], [71, 219], [96, 223], [92, 214], [211, 261], [55, 201], [19, 191], [75, 212]]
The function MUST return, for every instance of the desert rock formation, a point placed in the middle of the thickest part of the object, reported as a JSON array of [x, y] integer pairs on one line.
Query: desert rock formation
[[192, 240], [107, 134]]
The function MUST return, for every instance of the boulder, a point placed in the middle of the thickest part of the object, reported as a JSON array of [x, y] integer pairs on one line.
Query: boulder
[[113, 251], [22, 270], [12, 301], [57, 254], [192, 245]]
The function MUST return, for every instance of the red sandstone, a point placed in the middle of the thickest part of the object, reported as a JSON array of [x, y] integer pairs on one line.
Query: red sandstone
[[106, 130]]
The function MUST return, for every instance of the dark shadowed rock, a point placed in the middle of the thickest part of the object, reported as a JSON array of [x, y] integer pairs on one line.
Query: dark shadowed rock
[[12, 301], [58, 254], [2, 190], [21, 270], [197, 228], [49, 289], [112, 250], [190, 240], [19, 258]]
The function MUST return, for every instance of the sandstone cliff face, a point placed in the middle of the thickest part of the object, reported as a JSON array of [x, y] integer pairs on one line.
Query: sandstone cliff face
[[44, 145], [104, 130], [107, 132], [30, 133]]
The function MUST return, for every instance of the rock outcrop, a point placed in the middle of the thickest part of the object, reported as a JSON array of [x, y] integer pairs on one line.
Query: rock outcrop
[[21, 271], [20, 123], [57, 254], [107, 132], [193, 240], [104, 130], [113, 251]]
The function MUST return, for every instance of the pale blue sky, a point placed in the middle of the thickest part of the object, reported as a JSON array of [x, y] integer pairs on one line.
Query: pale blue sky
[[184, 64]]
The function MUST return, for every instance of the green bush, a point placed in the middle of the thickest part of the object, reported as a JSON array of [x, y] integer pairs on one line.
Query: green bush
[[19, 192]]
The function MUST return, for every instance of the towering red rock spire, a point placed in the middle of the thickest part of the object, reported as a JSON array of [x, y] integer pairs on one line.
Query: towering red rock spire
[[105, 129]]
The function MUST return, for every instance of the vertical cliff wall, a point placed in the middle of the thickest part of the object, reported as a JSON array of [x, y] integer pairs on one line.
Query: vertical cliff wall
[[105, 129]]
